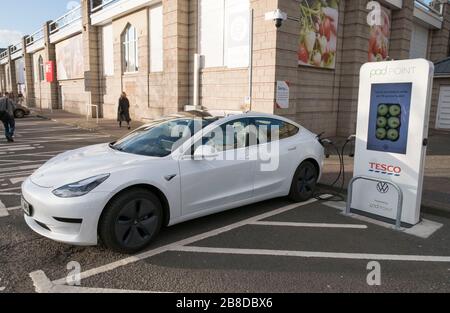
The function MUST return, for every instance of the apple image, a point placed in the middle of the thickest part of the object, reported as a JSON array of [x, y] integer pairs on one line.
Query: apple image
[[383, 109], [393, 134], [381, 133], [395, 110], [394, 122], [382, 122]]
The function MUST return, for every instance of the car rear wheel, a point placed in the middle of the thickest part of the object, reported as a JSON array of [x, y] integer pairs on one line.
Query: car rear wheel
[[304, 182], [131, 221], [19, 113]]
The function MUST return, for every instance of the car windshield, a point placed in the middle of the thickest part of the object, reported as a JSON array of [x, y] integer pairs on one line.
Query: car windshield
[[162, 137]]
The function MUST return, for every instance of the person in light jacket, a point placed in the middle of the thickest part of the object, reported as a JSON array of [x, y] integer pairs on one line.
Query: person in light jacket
[[7, 108], [123, 112]]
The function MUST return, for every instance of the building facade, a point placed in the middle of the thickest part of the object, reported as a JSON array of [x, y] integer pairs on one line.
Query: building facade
[[222, 55]]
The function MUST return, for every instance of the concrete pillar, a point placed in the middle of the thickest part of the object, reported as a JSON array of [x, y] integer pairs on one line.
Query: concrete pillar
[[2, 79], [353, 55], [50, 55], [12, 74], [91, 50], [29, 82], [401, 31], [176, 56], [440, 37]]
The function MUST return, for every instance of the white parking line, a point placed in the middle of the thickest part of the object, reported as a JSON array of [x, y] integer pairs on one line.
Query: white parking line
[[311, 254], [169, 247], [43, 285], [311, 225], [3, 210], [18, 180]]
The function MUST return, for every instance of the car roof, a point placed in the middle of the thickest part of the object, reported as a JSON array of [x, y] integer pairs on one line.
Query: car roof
[[219, 119]]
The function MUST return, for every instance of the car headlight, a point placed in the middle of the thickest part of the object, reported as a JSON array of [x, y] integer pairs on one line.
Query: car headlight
[[80, 188]]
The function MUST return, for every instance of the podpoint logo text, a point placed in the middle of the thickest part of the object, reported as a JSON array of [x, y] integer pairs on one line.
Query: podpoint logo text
[[387, 70], [386, 169]]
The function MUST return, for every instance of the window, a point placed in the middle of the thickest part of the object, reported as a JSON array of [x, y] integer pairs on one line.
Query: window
[[156, 39], [130, 50], [266, 130], [230, 136], [162, 137], [224, 32], [41, 69], [108, 50]]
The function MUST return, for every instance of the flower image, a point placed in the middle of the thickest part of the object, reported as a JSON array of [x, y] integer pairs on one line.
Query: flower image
[[379, 39], [318, 33]]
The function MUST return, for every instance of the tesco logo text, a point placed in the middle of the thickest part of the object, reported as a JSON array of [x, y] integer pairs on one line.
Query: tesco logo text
[[385, 168]]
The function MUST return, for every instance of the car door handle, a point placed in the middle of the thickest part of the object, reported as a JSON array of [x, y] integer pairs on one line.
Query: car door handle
[[292, 149]]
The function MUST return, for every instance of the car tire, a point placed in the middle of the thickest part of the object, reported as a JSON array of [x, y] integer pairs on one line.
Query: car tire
[[19, 113], [304, 182], [131, 221]]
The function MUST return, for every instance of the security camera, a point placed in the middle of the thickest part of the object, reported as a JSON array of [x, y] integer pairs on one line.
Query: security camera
[[278, 16]]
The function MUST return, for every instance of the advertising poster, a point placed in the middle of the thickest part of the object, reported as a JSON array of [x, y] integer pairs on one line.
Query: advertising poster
[[379, 38], [237, 33], [318, 33], [282, 97], [69, 58], [390, 106]]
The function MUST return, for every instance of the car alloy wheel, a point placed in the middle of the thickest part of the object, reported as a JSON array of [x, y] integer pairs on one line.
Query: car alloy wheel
[[136, 223], [19, 114], [304, 183], [131, 221]]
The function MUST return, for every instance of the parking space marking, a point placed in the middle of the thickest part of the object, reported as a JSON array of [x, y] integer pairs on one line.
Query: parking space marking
[[183, 242], [424, 229], [43, 285], [312, 254], [3, 210], [311, 225]]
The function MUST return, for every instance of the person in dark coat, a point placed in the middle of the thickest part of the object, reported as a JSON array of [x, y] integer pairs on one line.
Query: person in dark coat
[[123, 113], [7, 107]]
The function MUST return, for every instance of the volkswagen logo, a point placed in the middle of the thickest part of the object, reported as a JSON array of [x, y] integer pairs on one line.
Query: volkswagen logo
[[383, 187]]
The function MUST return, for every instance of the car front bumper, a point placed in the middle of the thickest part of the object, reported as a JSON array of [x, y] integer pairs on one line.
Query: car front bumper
[[68, 220]]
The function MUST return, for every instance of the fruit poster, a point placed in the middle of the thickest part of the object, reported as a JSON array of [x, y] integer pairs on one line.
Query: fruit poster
[[379, 38], [318, 33], [390, 106]]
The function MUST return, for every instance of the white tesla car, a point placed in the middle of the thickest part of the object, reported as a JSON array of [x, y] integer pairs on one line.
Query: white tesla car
[[175, 169]]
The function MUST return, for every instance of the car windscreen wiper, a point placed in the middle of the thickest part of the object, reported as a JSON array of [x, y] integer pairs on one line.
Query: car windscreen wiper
[[112, 146]]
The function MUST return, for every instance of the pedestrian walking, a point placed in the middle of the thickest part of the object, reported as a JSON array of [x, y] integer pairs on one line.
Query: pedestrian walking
[[123, 112], [7, 108]]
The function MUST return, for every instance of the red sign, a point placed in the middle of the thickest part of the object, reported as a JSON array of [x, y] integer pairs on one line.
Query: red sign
[[50, 71]]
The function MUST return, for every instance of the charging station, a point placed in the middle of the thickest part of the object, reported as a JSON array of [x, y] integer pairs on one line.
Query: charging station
[[391, 139]]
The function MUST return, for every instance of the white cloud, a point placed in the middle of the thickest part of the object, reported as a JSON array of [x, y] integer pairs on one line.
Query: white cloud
[[72, 5], [9, 37]]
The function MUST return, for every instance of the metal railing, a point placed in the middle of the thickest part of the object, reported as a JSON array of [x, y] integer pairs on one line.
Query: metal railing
[[97, 5], [398, 222], [16, 48], [4, 54], [34, 37], [429, 8], [65, 20]]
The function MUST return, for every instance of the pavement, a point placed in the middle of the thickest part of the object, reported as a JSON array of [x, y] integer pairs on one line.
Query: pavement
[[104, 126], [272, 246]]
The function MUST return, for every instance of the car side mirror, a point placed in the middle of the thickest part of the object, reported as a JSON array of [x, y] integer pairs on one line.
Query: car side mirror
[[205, 153]]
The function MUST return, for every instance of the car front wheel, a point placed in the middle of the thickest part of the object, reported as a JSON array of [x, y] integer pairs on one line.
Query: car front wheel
[[304, 182], [19, 114], [131, 221]]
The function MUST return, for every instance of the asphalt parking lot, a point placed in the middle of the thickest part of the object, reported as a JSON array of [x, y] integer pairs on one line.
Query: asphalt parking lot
[[273, 246]]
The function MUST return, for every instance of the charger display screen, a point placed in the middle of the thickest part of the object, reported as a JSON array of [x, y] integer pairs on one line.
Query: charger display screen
[[390, 106]]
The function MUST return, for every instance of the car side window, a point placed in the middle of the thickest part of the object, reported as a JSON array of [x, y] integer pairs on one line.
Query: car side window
[[266, 130], [230, 136]]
